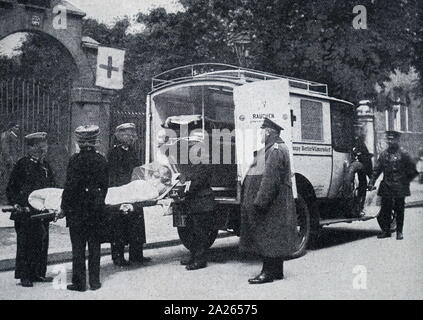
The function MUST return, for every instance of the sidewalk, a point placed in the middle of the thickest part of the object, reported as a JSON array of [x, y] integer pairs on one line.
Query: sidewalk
[[159, 229], [416, 198]]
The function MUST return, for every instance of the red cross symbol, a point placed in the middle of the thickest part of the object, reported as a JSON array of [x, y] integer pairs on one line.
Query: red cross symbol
[[109, 67]]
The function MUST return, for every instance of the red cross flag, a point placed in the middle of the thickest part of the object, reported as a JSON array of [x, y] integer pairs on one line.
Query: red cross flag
[[110, 68]]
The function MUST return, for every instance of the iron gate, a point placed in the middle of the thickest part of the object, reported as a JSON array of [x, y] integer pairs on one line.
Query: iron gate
[[37, 106]]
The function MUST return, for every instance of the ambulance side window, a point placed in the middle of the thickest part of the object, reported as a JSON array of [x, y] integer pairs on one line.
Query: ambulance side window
[[311, 120], [342, 118]]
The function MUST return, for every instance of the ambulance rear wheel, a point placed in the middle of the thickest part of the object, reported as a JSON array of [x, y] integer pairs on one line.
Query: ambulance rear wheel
[[186, 235], [303, 230]]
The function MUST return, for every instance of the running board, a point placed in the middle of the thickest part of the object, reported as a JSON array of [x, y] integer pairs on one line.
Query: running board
[[327, 222]]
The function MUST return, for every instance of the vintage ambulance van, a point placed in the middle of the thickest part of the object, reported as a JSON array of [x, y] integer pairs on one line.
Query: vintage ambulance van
[[318, 130]]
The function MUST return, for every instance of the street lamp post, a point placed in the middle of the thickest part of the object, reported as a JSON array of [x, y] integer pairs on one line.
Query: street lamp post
[[240, 42]]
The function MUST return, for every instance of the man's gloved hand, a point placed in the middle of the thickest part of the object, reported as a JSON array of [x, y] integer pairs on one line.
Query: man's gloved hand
[[60, 214], [20, 209], [126, 208]]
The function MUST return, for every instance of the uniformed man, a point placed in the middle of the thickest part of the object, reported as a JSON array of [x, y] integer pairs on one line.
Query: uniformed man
[[365, 158], [83, 205], [129, 227], [30, 173], [268, 220], [9, 154], [398, 171], [199, 201]]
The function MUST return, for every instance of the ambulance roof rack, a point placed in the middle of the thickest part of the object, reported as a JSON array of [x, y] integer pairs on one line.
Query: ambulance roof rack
[[229, 72]]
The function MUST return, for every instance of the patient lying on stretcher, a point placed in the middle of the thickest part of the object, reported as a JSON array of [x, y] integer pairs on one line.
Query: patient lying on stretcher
[[147, 185]]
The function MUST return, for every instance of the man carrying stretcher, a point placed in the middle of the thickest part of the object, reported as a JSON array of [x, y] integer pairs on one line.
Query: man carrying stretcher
[[30, 173], [129, 226]]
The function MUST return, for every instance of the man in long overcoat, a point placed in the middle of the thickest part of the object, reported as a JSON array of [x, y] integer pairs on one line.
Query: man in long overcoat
[[30, 173], [268, 219], [398, 171], [128, 227]]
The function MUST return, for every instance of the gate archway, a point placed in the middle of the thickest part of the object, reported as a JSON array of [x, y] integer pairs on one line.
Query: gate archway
[[88, 103]]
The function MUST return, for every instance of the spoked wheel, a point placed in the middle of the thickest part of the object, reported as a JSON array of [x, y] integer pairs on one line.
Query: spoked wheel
[[186, 235], [303, 227]]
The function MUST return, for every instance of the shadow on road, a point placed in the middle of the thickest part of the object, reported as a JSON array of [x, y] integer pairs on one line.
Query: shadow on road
[[222, 253], [334, 236]]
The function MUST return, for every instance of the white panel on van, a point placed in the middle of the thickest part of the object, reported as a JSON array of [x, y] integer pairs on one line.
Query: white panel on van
[[253, 102]]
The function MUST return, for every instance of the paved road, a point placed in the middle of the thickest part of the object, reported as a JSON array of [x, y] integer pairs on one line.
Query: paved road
[[346, 255]]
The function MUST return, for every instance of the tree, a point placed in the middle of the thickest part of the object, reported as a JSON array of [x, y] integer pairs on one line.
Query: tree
[[315, 39]]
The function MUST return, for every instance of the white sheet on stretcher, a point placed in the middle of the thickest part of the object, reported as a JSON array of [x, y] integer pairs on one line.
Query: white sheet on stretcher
[[135, 191]]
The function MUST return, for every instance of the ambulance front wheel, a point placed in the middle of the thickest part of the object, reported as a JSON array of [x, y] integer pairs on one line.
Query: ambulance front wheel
[[186, 235]]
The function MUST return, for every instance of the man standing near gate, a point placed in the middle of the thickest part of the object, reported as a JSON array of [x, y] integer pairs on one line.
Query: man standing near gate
[[30, 173], [9, 154], [128, 226], [398, 171], [268, 220]]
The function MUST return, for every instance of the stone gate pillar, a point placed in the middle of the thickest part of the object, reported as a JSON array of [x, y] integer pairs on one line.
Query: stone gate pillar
[[91, 106], [366, 116]]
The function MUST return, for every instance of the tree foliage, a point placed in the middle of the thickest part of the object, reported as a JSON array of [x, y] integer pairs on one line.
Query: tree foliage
[[310, 39]]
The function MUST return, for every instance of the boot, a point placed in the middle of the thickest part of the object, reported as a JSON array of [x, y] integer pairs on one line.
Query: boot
[[26, 283], [138, 255], [400, 236], [121, 262], [384, 234], [196, 265], [42, 279], [265, 275], [187, 260], [74, 287], [95, 286], [278, 269]]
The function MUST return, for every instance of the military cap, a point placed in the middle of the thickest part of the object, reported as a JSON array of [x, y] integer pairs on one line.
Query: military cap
[[267, 123], [87, 134], [126, 126], [392, 134], [35, 137]]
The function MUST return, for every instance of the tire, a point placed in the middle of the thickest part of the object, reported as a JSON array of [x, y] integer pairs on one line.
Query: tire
[[303, 227], [187, 237], [353, 202]]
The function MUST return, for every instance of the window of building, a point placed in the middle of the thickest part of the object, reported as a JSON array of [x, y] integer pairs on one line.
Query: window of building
[[398, 118], [342, 119], [311, 120]]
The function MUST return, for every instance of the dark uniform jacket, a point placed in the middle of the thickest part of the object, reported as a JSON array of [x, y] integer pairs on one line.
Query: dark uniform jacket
[[398, 171], [364, 155], [268, 219], [200, 197], [28, 175], [122, 162], [85, 188]]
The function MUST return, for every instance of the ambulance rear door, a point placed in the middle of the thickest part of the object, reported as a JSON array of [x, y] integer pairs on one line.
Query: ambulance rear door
[[253, 102]]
